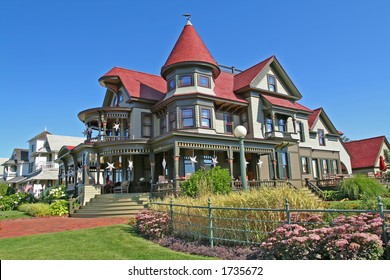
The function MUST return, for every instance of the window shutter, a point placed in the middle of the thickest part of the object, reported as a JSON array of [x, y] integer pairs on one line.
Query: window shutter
[[288, 166], [271, 167], [302, 131], [309, 160]]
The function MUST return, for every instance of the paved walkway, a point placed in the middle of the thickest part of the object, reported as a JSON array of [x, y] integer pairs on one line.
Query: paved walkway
[[22, 227]]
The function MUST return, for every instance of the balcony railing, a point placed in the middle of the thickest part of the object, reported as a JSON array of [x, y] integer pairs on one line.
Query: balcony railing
[[46, 165], [103, 138], [281, 135]]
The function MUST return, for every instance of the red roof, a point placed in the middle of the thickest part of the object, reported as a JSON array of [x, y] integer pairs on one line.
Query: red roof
[[364, 153], [138, 84], [190, 48], [244, 78], [224, 88], [281, 102], [313, 117]]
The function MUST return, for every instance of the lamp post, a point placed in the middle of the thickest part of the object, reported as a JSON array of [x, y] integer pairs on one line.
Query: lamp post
[[240, 132]]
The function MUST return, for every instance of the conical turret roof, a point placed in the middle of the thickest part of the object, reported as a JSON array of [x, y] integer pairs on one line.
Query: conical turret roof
[[190, 49]]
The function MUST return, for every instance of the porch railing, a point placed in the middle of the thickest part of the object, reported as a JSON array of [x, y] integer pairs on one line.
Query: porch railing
[[315, 189], [237, 185]]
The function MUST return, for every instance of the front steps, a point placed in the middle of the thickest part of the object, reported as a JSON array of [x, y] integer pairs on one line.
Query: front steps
[[113, 205]]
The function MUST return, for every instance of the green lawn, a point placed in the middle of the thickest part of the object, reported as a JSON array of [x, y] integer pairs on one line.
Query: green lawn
[[11, 215], [103, 243]]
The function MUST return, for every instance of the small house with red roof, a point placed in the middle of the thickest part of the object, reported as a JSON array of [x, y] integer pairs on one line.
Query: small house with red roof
[[366, 154], [157, 129]]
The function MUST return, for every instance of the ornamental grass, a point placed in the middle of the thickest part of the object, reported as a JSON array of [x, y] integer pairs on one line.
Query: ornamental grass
[[245, 224]]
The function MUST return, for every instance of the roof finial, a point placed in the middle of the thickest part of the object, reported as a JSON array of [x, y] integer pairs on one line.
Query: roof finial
[[188, 17]]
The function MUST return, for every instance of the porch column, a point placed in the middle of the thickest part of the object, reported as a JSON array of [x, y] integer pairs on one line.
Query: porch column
[[66, 175], [99, 129], [98, 169], [152, 167], [275, 166], [230, 160], [275, 123]]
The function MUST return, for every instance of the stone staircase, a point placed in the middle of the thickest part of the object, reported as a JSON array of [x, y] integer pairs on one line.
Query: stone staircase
[[113, 205], [310, 193]]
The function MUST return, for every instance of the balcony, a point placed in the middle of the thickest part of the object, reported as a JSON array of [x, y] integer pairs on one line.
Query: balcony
[[282, 135], [103, 138], [46, 165]]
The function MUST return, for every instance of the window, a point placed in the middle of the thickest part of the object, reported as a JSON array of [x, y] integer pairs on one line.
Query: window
[[32, 148], [228, 118], [268, 124], [120, 97], [187, 118], [271, 83], [321, 137], [204, 81], [206, 118], [163, 124], [186, 81], [172, 120], [282, 125], [325, 167], [189, 167], [146, 125], [284, 170], [335, 167], [301, 132], [305, 165], [172, 84]]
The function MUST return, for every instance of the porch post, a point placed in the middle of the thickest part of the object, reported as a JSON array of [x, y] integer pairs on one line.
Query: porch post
[[98, 169], [152, 168], [230, 160]]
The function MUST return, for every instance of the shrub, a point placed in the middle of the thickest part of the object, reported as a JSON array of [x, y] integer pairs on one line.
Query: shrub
[[213, 181], [361, 186], [12, 201], [348, 238], [36, 209], [53, 193], [4, 189], [152, 224], [59, 208], [330, 195]]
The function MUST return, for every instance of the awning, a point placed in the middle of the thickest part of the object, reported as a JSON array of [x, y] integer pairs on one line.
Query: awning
[[42, 174], [16, 179]]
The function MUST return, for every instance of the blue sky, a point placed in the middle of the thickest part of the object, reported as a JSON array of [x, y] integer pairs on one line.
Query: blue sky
[[53, 52]]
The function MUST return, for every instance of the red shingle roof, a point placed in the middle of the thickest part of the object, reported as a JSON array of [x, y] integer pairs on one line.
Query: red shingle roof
[[364, 153], [244, 78], [285, 103], [140, 85], [224, 88], [313, 117], [190, 48]]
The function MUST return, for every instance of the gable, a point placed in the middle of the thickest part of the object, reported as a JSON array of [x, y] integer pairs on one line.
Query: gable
[[255, 78], [261, 81]]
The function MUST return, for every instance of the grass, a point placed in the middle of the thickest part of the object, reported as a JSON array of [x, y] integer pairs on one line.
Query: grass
[[12, 215], [103, 243]]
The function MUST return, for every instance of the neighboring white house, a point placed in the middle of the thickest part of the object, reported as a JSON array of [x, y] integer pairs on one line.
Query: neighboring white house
[[33, 169], [16, 167]]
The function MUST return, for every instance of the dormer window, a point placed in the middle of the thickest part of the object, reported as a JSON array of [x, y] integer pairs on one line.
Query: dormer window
[[204, 81], [271, 83], [186, 81], [172, 84]]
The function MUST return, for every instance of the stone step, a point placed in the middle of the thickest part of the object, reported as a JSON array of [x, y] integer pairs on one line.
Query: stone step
[[113, 205]]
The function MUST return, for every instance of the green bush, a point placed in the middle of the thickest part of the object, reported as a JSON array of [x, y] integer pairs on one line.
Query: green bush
[[36, 209], [6, 190], [11, 202], [214, 181], [360, 186], [59, 208], [53, 193], [330, 195]]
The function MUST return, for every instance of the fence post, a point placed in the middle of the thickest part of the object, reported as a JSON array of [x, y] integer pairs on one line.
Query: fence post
[[210, 223], [171, 215], [288, 212], [246, 227], [70, 206], [384, 226]]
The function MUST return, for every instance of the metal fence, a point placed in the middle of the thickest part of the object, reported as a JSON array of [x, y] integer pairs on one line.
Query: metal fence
[[249, 226]]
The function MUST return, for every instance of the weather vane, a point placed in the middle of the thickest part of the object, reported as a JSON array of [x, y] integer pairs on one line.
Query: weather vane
[[188, 17]]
